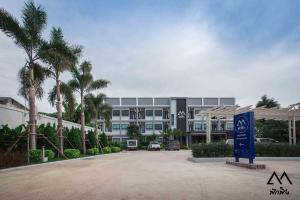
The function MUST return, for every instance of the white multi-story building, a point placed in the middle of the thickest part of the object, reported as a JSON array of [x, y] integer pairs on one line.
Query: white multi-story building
[[156, 115]]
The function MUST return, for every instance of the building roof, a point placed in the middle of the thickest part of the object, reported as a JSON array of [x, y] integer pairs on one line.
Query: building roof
[[12, 102]]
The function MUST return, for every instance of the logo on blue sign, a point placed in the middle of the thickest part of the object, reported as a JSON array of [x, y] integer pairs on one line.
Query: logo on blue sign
[[242, 125]]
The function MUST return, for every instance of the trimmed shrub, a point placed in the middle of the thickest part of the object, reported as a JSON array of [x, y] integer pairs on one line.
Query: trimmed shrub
[[8, 136], [96, 151], [35, 155], [50, 154], [106, 150], [211, 150], [261, 150], [72, 153], [90, 151], [93, 151], [115, 149]]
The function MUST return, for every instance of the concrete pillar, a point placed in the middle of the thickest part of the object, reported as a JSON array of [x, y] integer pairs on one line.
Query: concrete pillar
[[294, 131], [208, 128], [290, 130]]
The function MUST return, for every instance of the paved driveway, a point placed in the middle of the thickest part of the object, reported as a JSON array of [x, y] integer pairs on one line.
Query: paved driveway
[[145, 175]]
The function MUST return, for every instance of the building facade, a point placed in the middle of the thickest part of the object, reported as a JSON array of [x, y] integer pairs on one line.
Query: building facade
[[156, 115]]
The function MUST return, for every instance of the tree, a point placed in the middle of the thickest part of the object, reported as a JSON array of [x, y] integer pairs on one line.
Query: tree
[[267, 102], [175, 133], [133, 131], [98, 109], [28, 37], [83, 83], [60, 56]]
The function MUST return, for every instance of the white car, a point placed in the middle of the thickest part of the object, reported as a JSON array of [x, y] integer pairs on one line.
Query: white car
[[154, 146], [265, 140], [132, 144]]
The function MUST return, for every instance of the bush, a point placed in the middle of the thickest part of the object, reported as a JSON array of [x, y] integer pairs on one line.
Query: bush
[[7, 136], [35, 155], [73, 136], [103, 139], [115, 149], [93, 151], [106, 150], [211, 150], [90, 151], [49, 132], [50, 154], [277, 150], [72, 153], [92, 138], [261, 150]]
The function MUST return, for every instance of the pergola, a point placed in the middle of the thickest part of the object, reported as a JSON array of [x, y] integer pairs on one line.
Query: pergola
[[290, 114]]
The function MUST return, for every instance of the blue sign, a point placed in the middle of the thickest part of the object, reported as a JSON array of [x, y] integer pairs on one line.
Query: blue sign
[[244, 136]]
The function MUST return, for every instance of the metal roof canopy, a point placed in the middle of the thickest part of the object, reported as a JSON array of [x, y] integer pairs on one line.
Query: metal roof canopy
[[290, 114]]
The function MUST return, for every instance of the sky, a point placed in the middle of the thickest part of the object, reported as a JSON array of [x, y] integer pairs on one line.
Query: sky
[[213, 48]]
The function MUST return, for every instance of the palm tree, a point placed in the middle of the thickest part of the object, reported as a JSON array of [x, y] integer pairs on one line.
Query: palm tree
[[82, 83], [98, 109], [267, 102], [60, 56], [28, 37]]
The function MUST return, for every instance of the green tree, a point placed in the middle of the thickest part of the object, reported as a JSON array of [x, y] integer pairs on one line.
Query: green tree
[[83, 83], [133, 131], [267, 102], [60, 57], [28, 37]]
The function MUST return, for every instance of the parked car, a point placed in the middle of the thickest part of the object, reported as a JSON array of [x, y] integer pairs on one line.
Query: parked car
[[265, 140], [154, 146], [132, 144], [229, 141], [173, 145]]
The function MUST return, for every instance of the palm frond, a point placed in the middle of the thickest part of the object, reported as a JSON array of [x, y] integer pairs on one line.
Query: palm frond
[[34, 20], [52, 96], [98, 84], [11, 27], [68, 97]]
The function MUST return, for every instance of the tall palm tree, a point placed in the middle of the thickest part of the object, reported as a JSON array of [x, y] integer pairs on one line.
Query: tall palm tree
[[83, 83], [28, 37], [98, 108], [60, 56]]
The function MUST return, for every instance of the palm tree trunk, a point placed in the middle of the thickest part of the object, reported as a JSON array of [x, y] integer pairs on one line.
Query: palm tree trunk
[[82, 124], [32, 111], [59, 118]]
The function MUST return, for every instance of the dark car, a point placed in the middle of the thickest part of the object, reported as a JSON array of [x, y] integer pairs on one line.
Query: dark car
[[173, 145]]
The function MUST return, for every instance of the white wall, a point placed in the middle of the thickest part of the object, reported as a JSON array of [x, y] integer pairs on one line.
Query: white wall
[[14, 117]]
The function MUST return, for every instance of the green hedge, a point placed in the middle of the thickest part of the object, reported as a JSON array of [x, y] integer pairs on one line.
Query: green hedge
[[50, 154], [115, 149], [261, 150], [106, 150], [72, 153], [93, 151], [277, 150], [35, 155], [211, 150]]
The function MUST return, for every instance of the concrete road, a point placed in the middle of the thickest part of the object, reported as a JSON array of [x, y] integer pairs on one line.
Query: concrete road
[[146, 175]]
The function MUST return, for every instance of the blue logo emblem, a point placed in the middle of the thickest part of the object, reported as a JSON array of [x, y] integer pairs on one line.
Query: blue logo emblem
[[241, 125]]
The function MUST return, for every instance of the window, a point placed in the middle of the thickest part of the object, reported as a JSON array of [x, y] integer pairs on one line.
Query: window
[[116, 113], [124, 126], [149, 113], [158, 113], [149, 127], [198, 126], [229, 126], [158, 127], [125, 113], [115, 139], [115, 127], [172, 119]]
